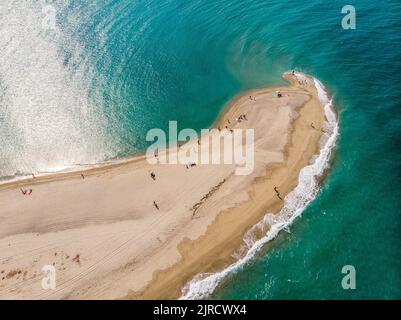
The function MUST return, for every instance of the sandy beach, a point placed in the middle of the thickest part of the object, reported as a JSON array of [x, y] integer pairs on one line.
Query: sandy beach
[[107, 240]]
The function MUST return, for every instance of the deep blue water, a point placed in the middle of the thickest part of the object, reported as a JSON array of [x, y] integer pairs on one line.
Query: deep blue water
[[89, 90]]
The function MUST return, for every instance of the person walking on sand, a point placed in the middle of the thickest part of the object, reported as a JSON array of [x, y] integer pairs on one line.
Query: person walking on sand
[[23, 191], [152, 175], [277, 193], [82, 176], [155, 204]]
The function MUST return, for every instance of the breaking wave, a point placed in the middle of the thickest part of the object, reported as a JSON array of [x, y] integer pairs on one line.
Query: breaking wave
[[294, 203]]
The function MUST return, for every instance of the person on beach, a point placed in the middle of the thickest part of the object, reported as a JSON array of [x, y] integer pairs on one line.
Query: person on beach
[[82, 175], [23, 191], [152, 175], [155, 204], [277, 193], [313, 127], [29, 192], [293, 72]]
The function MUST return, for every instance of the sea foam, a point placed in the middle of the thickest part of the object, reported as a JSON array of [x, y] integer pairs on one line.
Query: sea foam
[[203, 285], [49, 120]]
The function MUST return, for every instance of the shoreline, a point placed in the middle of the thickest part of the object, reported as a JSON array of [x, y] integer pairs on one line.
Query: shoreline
[[223, 258], [147, 253], [77, 170], [310, 180]]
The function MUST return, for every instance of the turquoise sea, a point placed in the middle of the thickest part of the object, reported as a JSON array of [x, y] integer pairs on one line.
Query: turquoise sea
[[86, 86]]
